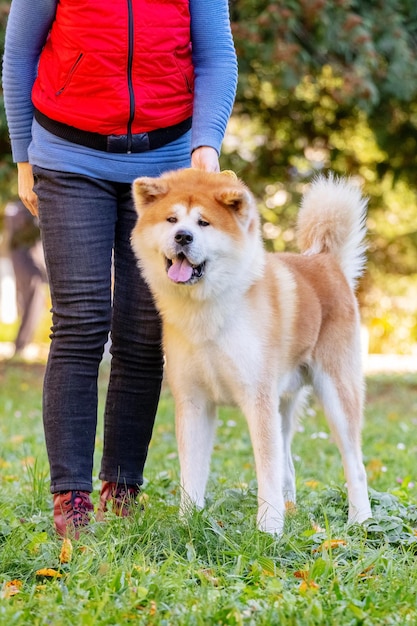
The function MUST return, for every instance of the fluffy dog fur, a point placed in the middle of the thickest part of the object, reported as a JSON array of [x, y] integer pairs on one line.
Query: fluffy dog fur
[[245, 327]]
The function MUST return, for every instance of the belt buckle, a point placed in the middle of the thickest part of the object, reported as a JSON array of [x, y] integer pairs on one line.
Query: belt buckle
[[125, 143]]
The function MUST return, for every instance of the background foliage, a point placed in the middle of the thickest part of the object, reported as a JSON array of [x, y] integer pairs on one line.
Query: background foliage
[[333, 85], [326, 85]]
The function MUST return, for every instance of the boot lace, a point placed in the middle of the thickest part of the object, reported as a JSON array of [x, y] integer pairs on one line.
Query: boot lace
[[78, 508]]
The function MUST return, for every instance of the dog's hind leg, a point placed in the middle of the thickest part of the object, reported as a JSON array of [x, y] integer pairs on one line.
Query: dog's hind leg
[[290, 406], [341, 395], [195, 423]]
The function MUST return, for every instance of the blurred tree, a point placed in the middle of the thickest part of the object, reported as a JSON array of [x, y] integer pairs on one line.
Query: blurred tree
[[325, 85], [333, 85]]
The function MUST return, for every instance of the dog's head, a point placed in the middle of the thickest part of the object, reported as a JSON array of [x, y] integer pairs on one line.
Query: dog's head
[[194, 227]]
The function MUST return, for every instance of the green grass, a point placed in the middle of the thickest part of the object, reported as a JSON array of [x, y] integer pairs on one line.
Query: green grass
[[216, 568]]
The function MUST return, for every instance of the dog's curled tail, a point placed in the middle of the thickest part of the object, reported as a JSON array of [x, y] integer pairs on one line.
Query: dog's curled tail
[[332, 219]]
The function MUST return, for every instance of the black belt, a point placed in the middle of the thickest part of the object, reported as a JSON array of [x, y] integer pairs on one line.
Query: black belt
[[140, 142]]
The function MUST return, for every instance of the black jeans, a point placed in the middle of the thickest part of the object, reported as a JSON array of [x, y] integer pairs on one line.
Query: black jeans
[[86, 226]]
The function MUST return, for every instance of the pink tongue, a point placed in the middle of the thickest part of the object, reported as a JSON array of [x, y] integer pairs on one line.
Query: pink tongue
[[180, 271]]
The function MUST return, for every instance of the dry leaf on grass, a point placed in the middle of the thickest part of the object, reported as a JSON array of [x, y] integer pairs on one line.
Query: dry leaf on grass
[[48, 572], [66, 551], [11, 588]]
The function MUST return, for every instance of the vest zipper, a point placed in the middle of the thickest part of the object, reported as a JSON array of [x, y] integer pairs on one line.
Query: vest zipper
[[129, 75]]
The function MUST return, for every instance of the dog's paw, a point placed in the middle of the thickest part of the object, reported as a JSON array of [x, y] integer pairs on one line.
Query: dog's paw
[[188, 506], [271, 521], [358, 516]]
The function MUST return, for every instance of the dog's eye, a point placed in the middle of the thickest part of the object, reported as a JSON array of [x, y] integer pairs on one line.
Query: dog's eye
[[202, 222], [172, 220]]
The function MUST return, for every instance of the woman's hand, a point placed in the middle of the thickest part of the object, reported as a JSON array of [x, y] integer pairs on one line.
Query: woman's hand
[[205, 158], [25, 187]]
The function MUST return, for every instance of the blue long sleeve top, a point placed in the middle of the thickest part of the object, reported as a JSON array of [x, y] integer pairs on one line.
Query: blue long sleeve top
[[215, 67]]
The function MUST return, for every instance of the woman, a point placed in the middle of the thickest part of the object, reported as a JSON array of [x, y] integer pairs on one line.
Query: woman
[[96, 94]]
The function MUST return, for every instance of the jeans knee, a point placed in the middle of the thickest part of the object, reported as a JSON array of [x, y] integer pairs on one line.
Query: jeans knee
[[80, 333]]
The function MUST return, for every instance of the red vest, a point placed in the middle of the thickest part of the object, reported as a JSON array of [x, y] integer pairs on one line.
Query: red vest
[[114, 66]]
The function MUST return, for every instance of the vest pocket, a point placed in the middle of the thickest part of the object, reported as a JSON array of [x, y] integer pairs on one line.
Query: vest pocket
[[184, 63], [70, 74]]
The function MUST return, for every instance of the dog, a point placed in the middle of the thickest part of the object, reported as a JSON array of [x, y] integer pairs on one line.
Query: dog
[[246, 327]]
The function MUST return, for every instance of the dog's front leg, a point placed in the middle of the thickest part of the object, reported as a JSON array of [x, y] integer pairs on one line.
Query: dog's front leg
[[195, 430], [265, 430]]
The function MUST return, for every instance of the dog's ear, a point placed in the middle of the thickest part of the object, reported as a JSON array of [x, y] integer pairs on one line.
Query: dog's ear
[[233, 197], [238, 199], [147, 190], [229, 173]]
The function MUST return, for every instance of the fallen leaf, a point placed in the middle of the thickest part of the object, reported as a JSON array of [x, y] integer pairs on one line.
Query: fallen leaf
[[331, 544], [11, 588], [66, 551], [208, 575], [308, 585], [48, 572], [150, 608], [290, 507], [366, 572]]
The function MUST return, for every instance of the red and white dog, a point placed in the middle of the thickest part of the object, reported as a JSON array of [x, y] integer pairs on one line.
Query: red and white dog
[[245, 327]]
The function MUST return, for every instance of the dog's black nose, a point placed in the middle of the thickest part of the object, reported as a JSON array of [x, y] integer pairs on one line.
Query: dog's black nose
[[183, 237]]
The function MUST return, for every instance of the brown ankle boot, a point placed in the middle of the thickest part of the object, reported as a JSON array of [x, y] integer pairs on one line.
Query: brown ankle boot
[[123, 498], [71, 512]]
